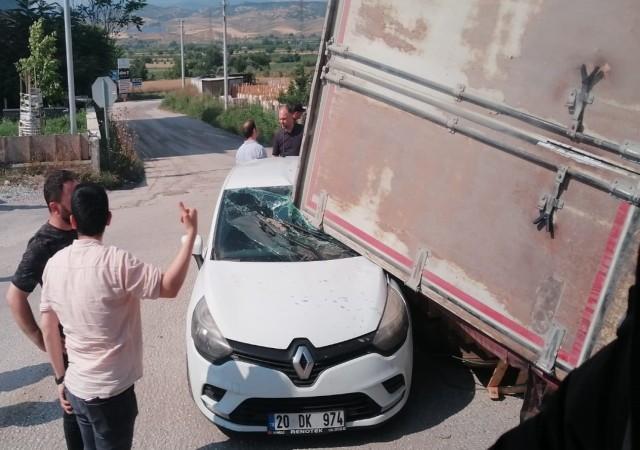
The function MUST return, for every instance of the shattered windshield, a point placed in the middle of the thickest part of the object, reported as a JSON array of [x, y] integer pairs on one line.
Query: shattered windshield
[[264, 225]]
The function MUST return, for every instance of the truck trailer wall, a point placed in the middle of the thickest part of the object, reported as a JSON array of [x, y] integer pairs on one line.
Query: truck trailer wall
[[439, 132]]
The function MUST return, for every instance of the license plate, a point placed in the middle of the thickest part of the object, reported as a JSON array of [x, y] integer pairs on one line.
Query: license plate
[[306, 423]]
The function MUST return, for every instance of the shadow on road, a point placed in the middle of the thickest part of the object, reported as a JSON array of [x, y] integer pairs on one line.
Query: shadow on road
[[24, 376], [9, 207], [27, 414]]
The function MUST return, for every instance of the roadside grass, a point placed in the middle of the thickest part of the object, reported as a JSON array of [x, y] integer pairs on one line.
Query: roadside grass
[[56, 125], [120, 168], [210, 109]]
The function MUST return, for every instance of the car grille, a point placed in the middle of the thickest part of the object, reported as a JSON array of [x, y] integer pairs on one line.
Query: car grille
[[282, 360], [255, 411]]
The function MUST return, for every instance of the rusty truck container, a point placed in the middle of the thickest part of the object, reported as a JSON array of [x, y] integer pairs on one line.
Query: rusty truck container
[[485, 153]]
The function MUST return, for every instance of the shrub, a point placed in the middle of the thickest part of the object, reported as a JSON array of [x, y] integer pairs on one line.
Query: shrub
[[122, 165], [8, 127], [54, 125], [266, 121], [62, 125], [211, 110]]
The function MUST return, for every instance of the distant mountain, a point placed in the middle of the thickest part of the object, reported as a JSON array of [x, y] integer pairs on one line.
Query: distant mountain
[[292, 9], [200, 4], [244, 19], [203, 19]]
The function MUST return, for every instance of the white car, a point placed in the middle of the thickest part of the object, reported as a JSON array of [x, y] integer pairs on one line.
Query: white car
[[288, 330]]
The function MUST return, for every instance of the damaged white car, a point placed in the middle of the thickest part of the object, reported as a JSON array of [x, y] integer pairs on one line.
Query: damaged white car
[[288, 330]]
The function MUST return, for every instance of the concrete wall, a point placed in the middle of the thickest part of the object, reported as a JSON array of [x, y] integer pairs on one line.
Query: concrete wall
[[54, 148]]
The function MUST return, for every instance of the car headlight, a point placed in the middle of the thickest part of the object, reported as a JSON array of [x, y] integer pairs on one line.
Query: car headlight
[[205, 334], [394, 324]]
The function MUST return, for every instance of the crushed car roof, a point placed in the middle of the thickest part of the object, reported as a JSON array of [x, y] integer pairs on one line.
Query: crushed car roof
[[263, 173]]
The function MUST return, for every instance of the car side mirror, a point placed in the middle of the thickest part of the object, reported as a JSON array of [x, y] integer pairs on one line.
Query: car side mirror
[[196, 250]]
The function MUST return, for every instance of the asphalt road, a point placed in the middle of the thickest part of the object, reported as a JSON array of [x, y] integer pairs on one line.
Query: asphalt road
[[187, 160]]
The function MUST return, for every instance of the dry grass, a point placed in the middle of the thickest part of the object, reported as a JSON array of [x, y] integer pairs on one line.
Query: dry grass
[[159, 65], [161, 85]]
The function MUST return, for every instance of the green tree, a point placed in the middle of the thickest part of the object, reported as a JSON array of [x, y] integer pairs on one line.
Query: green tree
[[260, 61], [94, 54], [176, 70], [41, 66], [299, 87], [239, 63], [138, 69], [14, 42], [210, 60], [112, 15]]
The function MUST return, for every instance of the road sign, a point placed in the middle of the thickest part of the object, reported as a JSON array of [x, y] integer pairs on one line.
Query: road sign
[[104, 92], [136, 82], [113, 74], [123, 63], [123, 74], [124, 86]]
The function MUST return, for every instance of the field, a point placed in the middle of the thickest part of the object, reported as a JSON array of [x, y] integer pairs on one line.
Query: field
[[161, 86], [265, 89]]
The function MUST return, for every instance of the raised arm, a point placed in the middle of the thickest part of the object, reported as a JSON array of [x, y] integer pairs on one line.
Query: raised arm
[[174, 276]]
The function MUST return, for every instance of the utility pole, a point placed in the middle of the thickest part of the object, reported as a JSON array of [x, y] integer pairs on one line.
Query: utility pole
[[70, 81], [224, 52], [182, 50]]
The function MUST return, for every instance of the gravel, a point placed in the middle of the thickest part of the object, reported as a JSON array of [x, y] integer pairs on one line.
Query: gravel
[[27, 194]]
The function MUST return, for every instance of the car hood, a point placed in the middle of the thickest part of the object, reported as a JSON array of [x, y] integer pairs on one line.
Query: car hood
[[270, 304]]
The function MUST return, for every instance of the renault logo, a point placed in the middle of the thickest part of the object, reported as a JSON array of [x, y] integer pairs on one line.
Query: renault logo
[[303, 362]]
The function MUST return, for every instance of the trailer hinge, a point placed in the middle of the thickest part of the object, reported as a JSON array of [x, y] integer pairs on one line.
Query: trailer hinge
[[328, 44], [552, 343], [459, 91], [630, 150], [318, 218], [419, 263], [451, 124], [579, 98], [548, 203], [625, 192]]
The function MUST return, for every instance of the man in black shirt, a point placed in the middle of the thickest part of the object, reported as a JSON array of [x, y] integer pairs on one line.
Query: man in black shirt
[[54, 235], [288, 139]]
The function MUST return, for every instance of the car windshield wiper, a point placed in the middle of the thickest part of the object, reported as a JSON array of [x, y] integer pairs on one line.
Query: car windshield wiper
[[275, 226]]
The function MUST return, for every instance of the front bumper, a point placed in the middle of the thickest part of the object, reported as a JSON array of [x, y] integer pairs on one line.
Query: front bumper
[[370, 389]]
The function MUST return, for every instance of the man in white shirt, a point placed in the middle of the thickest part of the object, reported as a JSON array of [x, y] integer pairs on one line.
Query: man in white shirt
[[94, 291], [251, 149]]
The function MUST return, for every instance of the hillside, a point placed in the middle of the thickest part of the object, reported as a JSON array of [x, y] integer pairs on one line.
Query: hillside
[[246, 20]]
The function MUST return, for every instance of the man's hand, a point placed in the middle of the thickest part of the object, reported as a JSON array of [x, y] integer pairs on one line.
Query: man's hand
[[173, 278], [36, 338], [18, 301], [189, 217], [63, 400]]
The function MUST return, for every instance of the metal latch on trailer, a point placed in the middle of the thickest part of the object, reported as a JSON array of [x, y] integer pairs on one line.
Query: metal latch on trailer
[[548, 203], [318, 218], [552, 343], [419, 264], [578, 99]]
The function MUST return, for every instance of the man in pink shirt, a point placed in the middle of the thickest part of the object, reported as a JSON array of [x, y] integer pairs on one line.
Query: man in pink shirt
[[94, 291]]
